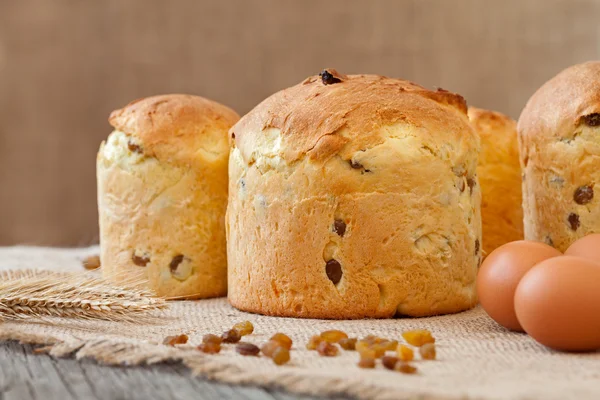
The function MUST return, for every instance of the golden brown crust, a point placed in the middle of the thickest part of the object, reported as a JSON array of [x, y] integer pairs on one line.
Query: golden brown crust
[[500, 178], [361, 104], [162, 195], [391, 163], [558, 106], [558, 141], [168, 125]]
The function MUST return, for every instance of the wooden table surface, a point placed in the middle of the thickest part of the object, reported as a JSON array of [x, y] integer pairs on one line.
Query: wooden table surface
[[25, 375]]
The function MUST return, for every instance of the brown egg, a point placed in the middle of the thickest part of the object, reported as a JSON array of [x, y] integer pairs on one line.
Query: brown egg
[[500, 274], [586, 247], [558, 303]]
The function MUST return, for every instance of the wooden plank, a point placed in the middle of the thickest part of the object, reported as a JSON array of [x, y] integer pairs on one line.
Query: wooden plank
[[24, 375]]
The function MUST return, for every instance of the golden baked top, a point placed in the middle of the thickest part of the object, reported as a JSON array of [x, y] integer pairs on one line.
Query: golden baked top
[[165, 125], [310, 115], [570, 98]]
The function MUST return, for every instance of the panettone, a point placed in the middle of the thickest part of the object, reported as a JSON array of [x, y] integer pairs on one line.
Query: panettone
[[500, 178], [559, 139], [162, 195], [354, 196]]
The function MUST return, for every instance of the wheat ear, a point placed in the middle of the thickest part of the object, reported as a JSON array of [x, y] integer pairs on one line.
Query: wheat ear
[[30, 294]]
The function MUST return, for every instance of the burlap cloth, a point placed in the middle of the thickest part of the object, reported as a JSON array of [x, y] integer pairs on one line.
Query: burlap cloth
[[476, 357]]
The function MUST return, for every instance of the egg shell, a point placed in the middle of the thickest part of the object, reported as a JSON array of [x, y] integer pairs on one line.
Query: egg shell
[[586, 247], [500, 274], [558, 303]]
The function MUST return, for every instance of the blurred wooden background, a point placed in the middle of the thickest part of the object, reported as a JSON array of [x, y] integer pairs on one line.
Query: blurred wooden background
[[64, 65]]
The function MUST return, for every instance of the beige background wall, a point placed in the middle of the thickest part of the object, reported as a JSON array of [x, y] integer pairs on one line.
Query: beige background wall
[[64, 65]]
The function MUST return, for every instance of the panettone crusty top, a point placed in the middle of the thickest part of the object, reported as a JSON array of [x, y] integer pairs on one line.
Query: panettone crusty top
[[561, 104], [309, 114], [172, 124]]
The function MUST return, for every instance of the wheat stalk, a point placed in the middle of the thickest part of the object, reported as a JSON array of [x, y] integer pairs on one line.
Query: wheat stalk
[[27, 294]]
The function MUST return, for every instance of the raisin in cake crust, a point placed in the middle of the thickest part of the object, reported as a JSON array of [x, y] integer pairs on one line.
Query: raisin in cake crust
[[499, 175], [559, 132], [354, 196], [162, 195]]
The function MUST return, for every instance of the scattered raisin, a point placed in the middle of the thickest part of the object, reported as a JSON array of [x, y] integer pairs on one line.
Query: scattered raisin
[[339, 227], [134, 148], [327, 78], [366, 352], [140, 261], [281, 356], [476, 246], [583, 194], [231, 336], [405, 368], [427, 351], [389, 362], [313, 342], [283, 340], [388, 345], [244, 328], [574, 221], [91, 262], [247, 349], [405, 353], [372, 339], [370, 349], [210, 348], [366, 362], [175, 262], [327, 349], [379, 350], [177, 339], [333, 336], [233, 135], [471, 184], [348, 344], [418, 337], [333, 269], [592, 119], [269, 348], [210, 338], [461, 185]]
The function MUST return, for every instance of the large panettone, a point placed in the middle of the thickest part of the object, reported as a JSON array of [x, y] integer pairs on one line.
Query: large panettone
[[354, 196]]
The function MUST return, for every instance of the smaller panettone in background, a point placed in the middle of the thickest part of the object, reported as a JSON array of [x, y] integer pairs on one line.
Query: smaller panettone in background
[[162, 195], [559, 142], [500, 178]]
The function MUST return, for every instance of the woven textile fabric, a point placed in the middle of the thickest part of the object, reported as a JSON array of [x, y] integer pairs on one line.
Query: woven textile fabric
[[477, 359]]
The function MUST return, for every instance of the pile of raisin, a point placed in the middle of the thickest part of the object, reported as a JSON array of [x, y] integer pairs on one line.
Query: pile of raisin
[[244, 328], [231, 336], [177, 339], [327, 344], [247, 349], [211, 344], [278, 348], [371, 348], [418, 337]]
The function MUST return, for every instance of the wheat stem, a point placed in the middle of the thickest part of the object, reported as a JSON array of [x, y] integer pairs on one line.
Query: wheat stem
[[30, 294]]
